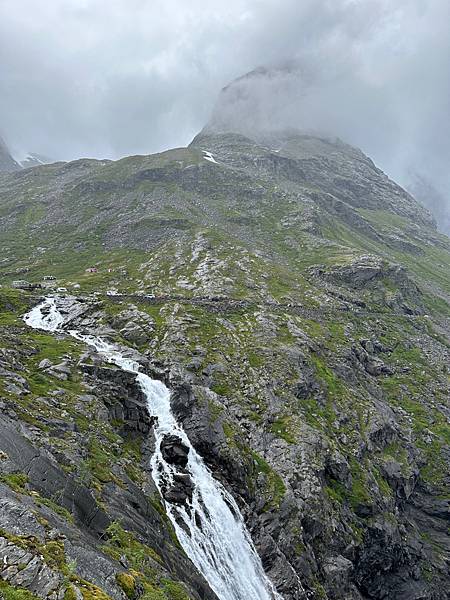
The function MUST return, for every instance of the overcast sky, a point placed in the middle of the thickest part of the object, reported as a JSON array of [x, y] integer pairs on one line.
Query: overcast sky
[[108, 78]]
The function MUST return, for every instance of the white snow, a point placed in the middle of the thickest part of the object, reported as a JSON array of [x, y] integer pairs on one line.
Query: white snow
[[210, 157]]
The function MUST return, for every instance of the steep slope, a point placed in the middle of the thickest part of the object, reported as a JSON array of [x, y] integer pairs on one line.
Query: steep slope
[[7, 163], [297, 303]]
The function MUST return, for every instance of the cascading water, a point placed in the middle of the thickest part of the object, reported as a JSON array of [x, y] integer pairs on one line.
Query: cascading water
[[209, 526]]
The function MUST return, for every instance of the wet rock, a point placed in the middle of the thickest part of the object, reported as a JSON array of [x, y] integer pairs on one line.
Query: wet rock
[[174, 451], [181, 489], [123, 397]]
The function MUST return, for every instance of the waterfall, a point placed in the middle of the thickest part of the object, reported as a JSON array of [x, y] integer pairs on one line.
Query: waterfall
[[209, 525]]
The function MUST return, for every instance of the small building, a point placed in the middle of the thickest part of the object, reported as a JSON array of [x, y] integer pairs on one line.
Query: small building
[[91, 270], [49, 278]]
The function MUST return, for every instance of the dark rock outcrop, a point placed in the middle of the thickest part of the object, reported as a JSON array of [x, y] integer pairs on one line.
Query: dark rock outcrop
[[174, 451]]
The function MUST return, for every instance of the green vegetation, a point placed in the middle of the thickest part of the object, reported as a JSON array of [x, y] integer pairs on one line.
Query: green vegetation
[[16, 481], [100, 461], [55, 507], [283, 428], [284, 360], [127, 582], [8, 592], [121, 542], [145, 567], [274, 486]]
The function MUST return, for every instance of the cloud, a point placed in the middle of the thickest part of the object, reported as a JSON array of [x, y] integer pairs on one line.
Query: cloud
[[108, 78]]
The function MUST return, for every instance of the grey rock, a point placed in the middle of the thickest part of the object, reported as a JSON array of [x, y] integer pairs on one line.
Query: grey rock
[[174, 451], [17, 518], [45, 364]]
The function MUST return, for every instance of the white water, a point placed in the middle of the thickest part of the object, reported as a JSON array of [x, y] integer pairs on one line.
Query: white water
[[211, 531]]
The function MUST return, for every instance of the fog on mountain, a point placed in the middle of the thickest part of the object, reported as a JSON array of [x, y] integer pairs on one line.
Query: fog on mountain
[[224, 366]]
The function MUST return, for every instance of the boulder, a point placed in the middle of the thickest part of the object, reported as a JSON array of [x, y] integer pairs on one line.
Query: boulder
[[174, 451], [180, 490]]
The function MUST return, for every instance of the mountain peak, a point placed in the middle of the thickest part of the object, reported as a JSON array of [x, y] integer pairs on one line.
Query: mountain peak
[[258, 101]]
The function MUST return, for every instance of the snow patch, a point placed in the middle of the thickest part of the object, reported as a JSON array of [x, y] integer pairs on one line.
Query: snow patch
[[210, 157]]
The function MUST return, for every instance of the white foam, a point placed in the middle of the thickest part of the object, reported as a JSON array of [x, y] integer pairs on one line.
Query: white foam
[[214, 535]]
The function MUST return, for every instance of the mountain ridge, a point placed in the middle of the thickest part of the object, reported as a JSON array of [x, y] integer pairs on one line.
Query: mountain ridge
[[296, 301]]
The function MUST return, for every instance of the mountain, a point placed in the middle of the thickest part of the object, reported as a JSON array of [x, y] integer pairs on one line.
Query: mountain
[[7, 163], [295, 300], [34, 160], [424, 190]]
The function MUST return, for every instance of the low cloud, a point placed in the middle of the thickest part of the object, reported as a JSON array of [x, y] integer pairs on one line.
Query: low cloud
[[108, 78]]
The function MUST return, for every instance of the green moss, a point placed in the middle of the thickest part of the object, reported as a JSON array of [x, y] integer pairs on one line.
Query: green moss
[[53, 553], [395, 451], [383, 485], [222, 388], [274, 488], [89, 590], [282, 427], [256, 360], [59, 510], [153, 593], [16, 481], [121, 542], [174, 590], [8, 592], [336, 491], [13, 303], [127, 582], [99, 461], [70, 594], [334, 385], [359, 494], [299, 549], [319, 590]]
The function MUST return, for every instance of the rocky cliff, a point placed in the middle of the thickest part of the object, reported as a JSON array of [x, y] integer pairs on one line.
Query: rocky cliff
[[7, 163], [296, 301]]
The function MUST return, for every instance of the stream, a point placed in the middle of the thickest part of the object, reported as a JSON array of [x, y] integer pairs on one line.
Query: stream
[[209, 526]]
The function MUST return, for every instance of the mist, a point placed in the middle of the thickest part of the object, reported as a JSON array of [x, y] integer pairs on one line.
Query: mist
[[112, 78]]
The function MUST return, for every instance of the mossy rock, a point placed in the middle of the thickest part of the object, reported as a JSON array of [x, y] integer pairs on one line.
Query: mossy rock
[[127, 582]]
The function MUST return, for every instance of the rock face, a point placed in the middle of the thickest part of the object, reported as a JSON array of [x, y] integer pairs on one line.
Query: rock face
[[296, 302], [174, 451], [78, 508], [7, 163]]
